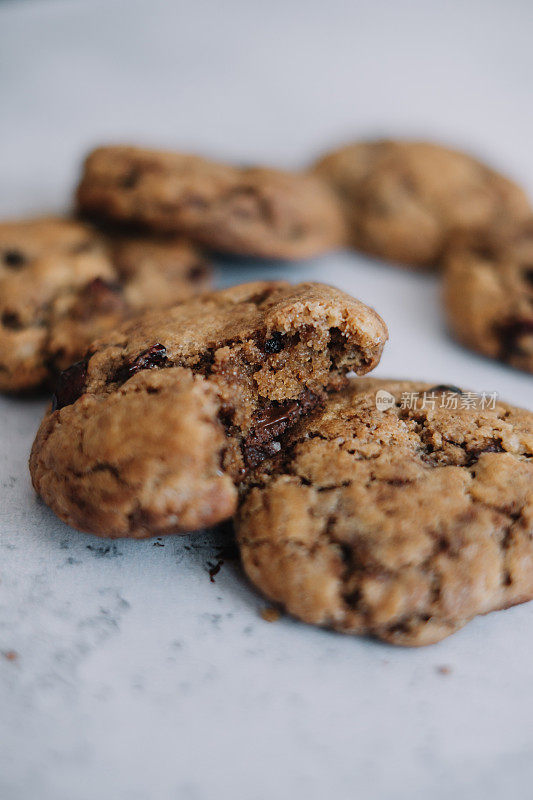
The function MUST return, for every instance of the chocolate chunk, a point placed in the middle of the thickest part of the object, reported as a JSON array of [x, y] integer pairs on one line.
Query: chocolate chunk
[[153, 357], [494, 446], [510, 335], [527, 274], [14, 259], [130, 179], [443, 387], [11, 320], [274, 415], [271, 422], [70, 385], [274, 344], [198, 272]]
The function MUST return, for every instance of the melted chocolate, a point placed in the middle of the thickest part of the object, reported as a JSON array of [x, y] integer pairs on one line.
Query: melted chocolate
[[154, 357], [271, 422], [70, 385]]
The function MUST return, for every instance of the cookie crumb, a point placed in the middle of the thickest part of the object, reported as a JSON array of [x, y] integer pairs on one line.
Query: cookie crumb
[[270, 614], [444, 669], [214, 569], [10, 655]]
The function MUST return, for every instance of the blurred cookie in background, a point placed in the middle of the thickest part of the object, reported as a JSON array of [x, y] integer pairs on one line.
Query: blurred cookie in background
[[63, 283], [250, 211], [488, 296], [404, 200]]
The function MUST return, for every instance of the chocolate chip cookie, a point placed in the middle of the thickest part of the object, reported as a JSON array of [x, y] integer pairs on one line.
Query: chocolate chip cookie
[[250, 211], [403, 523], [153, 430], [62, 284], [405, 200], [488, 293]]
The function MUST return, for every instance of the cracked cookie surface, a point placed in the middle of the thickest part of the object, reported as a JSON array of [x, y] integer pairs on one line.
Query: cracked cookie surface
[[404, 523], [152, 432], [488, 295], [62, 284], [250, 211], [404, 200]]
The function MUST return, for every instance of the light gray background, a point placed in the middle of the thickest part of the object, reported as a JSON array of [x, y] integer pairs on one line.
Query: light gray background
[[136, 677]]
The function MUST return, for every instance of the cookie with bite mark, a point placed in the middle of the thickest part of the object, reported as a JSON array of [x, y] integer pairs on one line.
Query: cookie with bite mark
[[153, 431]]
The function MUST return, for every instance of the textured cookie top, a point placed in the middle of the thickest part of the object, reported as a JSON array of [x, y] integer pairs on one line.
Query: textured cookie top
[[262, 355], [403, 523], [62, 283], [488, 295], [249, 211], [404, 200]]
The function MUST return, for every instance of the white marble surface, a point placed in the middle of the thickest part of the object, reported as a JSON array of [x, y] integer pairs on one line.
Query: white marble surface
[[135, 677]]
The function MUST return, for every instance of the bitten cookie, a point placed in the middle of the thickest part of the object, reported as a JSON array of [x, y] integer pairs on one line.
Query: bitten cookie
[[488, 295], [401, 523], [405, 200], [150, 433], [62, 284], [247, 211]]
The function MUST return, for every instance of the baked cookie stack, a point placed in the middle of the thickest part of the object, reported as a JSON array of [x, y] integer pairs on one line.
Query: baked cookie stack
[[178, 407]]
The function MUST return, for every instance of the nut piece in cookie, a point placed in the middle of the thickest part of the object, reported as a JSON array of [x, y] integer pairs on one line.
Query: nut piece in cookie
[[405, 200], [250, 211], [488, 296], [153, 430], [62, 284], [402, 523]]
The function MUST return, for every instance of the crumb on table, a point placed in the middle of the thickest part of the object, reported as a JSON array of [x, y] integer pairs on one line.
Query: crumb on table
[[10, 655], [270, 614]]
